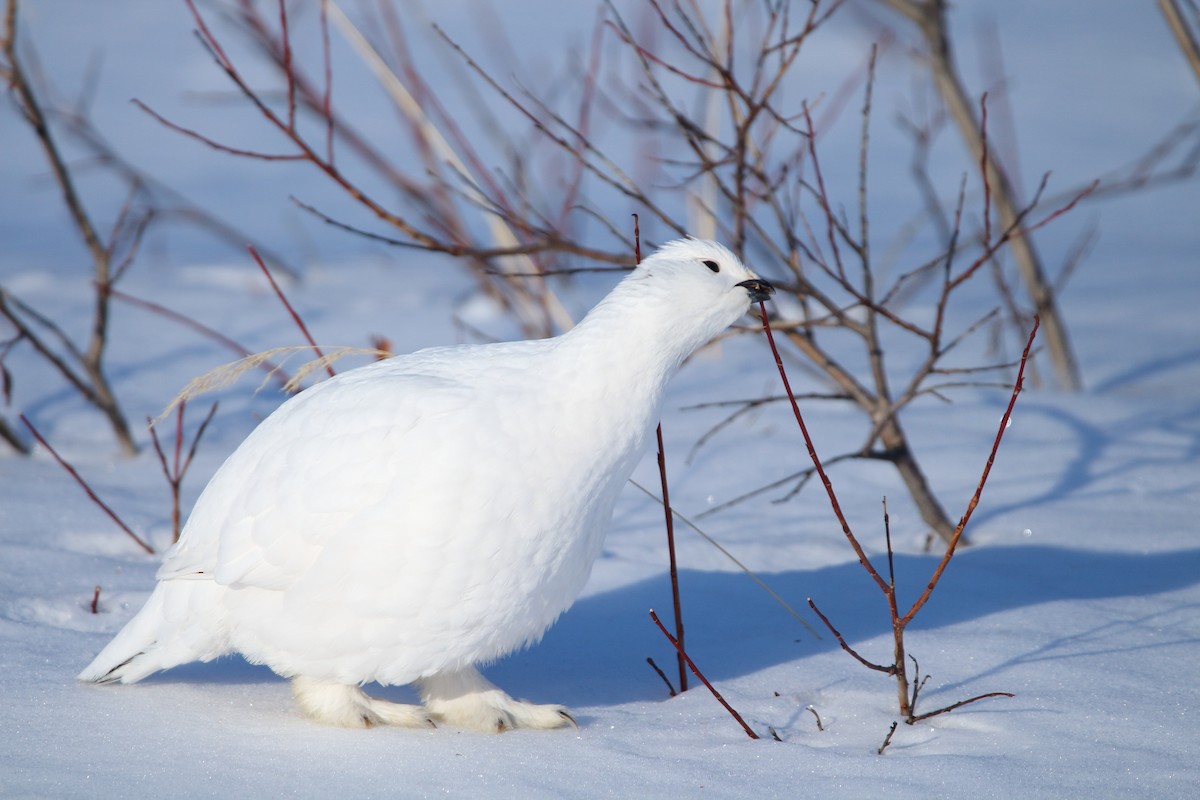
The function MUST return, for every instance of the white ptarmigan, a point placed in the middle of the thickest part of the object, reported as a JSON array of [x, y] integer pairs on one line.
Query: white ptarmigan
[[408, 520]]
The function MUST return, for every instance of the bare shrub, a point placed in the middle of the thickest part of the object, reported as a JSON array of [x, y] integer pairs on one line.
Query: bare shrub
[[82, 364], [715, 94], [908, 689]]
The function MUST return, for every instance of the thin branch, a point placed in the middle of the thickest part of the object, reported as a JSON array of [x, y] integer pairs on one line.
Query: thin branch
[[84, 485], [268, 366], [98, 391], [213, 143], [674, 569], [749, 573], [962, 523], [845, 646], [887, 739], [812, 452], [292, 311], [918, 717], [696, 671], [175, 472]]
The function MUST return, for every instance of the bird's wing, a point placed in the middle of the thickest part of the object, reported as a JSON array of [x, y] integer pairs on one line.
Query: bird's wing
[[324, 460]]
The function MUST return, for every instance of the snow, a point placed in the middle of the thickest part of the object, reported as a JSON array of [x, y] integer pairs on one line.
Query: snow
[[1079, 594]]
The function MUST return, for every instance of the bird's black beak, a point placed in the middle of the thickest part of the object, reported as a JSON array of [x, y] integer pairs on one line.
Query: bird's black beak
[[759, 289]]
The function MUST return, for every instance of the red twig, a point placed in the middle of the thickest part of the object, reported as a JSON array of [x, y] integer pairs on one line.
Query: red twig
[[900, 623], [842, 641], [267, 366], [666, 500], [214, 144], [983, 170], [637, 240], [84, 485], [823, 196], [1015, 231], [918, 717], [749, 731], [295, 317], [327, 95], [651, 57], [987, 468], [95, 606], [176, 472], [207, 36], [286, 38], [812, 453]]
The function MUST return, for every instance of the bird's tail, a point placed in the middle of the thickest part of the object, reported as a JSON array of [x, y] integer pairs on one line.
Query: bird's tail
[[177, 625]]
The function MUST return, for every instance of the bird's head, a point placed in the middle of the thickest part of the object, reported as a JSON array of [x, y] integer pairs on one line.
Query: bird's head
[[676, 301], [702, 279]]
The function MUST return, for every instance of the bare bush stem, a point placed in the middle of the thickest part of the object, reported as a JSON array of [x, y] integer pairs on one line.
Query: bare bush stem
[[907, 690], [674, 567], [291, 311], [93, 385], [696, 671], [929, 16], [120, 523], [175, 471]]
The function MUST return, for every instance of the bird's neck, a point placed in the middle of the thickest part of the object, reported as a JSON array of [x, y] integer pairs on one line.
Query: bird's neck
[[621, 356], [637, 333]]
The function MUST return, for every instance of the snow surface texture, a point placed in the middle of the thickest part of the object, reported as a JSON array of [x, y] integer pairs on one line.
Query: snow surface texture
[[1080, 594]]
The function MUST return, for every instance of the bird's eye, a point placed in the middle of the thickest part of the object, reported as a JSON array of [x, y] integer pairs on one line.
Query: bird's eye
[[714, 266]]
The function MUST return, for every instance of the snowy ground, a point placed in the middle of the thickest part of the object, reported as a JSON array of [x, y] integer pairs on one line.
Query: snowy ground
[[1080, 596]]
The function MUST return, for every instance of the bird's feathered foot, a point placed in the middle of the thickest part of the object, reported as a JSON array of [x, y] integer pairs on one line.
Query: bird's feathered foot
[[466, 699], [351, 707]]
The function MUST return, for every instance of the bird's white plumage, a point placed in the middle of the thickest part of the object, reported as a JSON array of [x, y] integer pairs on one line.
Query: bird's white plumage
[[407, 520]]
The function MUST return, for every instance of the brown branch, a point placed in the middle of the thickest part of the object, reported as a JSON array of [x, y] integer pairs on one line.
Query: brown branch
[[655, 59], [820, 725], [842, 641], [99, 392], [930, 19], [327, 94], [284, 33], [912, 720], [268, 366], [674, 569], [547, 242], [84, 485], [812, 452], [696, 671], [175, 472], [213, 143], [26, 332], [295, 317], [984, 170], [169, 204], [962, 523], [887, 739]]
